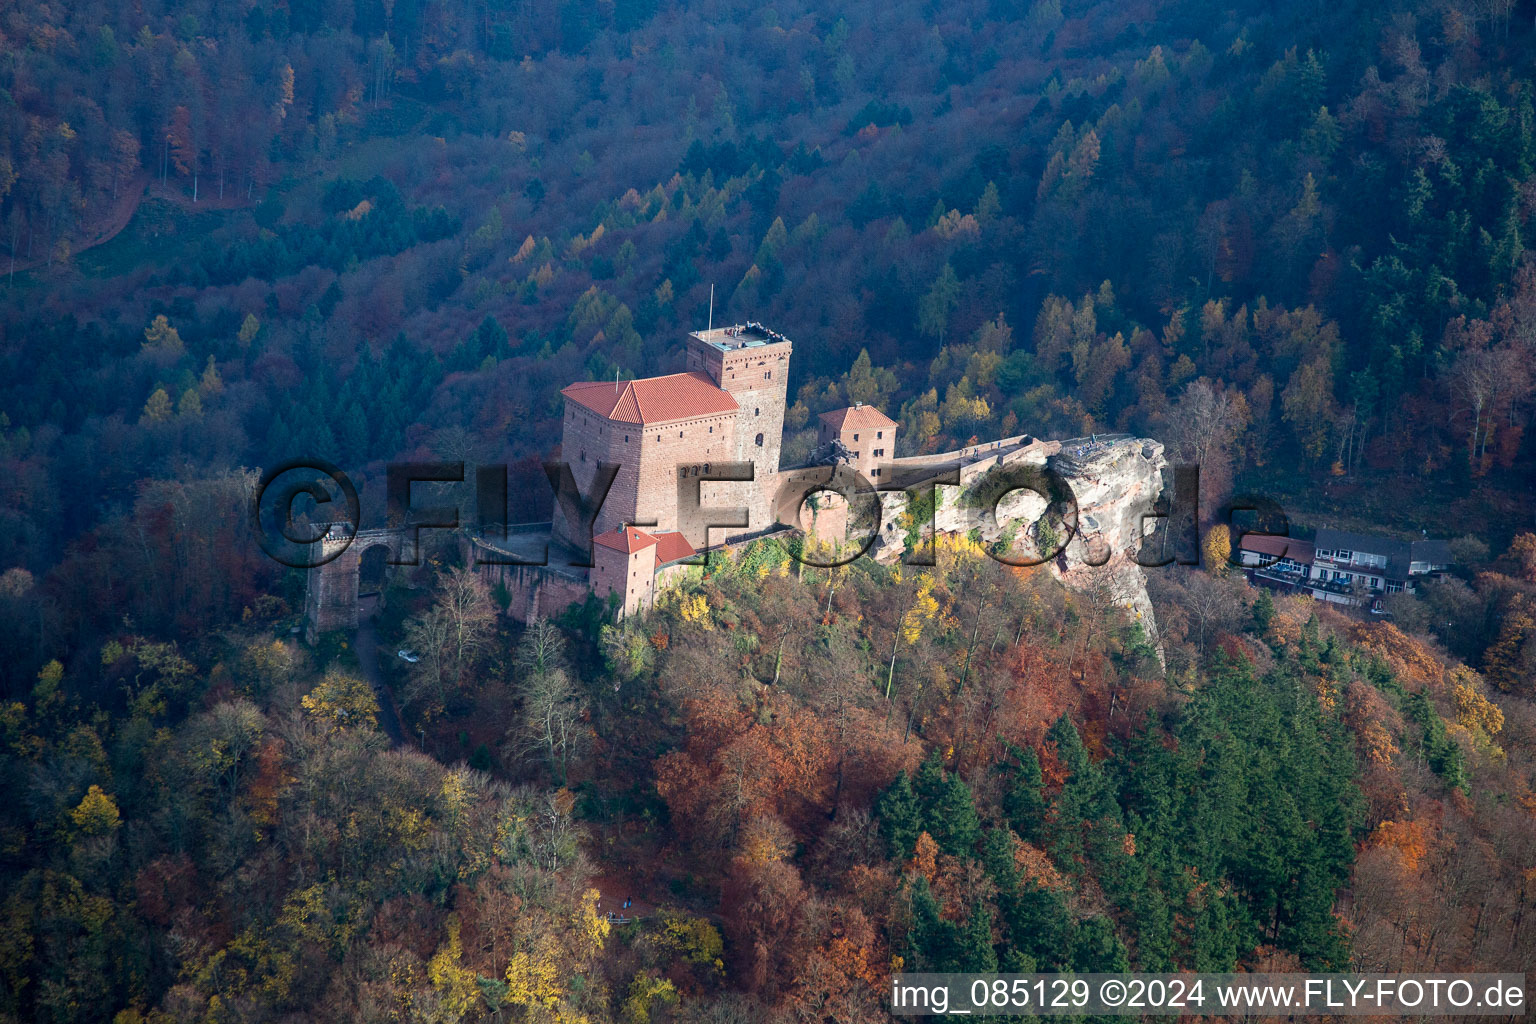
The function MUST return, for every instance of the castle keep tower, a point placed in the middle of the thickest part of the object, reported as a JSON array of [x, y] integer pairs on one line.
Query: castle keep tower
[[751, 364], [649, 428], [727, 407]]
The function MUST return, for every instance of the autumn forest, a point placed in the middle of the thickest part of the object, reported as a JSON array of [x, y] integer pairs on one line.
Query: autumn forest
[[1285, 239]]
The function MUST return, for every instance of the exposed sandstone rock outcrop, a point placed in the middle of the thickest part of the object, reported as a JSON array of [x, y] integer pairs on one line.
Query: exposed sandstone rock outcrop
[[1116, 480], [1116, 483]]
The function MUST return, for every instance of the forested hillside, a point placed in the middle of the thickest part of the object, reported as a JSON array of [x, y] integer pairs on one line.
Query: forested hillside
[[377, 229], [799, 781], [1287, 239]]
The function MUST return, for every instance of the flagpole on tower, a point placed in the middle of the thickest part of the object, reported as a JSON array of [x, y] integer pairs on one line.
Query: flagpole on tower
[[711, 306]]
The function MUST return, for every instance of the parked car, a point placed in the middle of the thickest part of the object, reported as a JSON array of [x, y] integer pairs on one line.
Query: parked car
[[408, 655]]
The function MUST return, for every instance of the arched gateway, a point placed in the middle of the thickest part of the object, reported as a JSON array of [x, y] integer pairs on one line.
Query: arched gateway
[[331, 598]]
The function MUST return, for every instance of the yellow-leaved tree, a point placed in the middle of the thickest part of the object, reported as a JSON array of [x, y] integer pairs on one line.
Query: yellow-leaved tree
[[1218, 549], [1475, 712], [158, 408], [163, 339], [248, 329], [533, 978], [455, 983], [1506, 662], [922, 607], [342, 701], [591, 927], [645, 991], [96, 814]]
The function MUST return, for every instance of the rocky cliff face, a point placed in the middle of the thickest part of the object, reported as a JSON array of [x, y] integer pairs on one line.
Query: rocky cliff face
[[1115, 481]]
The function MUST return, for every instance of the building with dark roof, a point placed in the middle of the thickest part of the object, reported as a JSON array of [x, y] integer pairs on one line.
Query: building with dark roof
[[1285, 554], [1342, 566]]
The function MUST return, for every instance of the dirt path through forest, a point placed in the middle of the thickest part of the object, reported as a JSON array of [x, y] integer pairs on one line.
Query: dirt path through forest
[[121, 214], [367, 650]]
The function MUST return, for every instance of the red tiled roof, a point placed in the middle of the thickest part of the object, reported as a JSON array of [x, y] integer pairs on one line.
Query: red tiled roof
[[672, 546], [857, 417], [1277, 547], [669, 546], [679, 396], [626, 539]]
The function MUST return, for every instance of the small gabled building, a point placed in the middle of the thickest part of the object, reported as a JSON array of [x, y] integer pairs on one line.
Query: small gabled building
[[868, 434], [637, 565]]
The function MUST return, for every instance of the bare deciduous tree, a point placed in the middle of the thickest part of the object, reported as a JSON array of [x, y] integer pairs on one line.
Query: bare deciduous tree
[[542, 648], [1214, 606], [1203, 428], [450, 637], [551, 717], [551, 703], [1485, 380]]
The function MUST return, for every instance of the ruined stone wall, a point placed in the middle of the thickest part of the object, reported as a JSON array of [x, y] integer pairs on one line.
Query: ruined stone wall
[[826, 518], [950, 514], [536, 590]]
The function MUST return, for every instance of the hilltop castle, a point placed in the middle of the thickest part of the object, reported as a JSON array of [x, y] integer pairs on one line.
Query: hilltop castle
[[728, 406], [665, 434]]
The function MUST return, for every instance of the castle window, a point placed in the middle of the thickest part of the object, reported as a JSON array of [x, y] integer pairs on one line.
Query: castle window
[[757, 412], [879, 433], [855, 437], [626, 439], [759, 440], [583, 456], [711, 430], [768, 375], [679, 433]]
